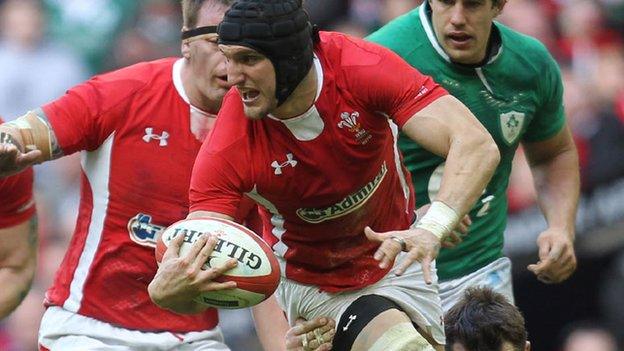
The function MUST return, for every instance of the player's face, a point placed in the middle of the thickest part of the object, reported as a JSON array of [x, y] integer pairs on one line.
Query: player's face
[[254, 76], [463, 27], [208, 76]]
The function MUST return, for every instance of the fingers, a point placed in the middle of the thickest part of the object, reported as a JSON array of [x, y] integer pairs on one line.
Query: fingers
[[409, 258], [318, 334], [27, 159], [544, 249], [387, 252], [203, 255], [319, 339], [388, 249], [373, 236], [211, 274], [554, 271], [452, 240], [426, 267], [196, 248], [555, 251], [304, 326], [214, 286], [173, 249], [8, 155]]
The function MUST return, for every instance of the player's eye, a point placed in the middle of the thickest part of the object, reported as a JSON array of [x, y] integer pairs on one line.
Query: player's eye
[[250, 59]]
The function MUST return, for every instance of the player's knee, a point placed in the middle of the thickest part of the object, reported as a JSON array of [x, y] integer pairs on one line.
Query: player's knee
[[354, 320]]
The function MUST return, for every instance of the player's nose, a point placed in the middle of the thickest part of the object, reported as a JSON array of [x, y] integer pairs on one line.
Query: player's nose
[[234, 73]]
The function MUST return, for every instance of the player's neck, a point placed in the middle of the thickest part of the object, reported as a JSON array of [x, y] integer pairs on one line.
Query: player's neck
[[195, 96], [301, 98]]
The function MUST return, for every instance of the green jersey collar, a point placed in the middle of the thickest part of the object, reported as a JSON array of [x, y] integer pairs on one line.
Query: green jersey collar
[[425, 18]]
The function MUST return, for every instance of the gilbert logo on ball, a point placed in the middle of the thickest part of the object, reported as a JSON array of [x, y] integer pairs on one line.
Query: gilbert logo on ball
[[257, 273]]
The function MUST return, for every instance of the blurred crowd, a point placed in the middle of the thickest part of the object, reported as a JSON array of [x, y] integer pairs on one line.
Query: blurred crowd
[[46, 46]]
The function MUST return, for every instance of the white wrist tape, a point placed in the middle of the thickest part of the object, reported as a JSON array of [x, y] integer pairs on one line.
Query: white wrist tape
[[440, 219]]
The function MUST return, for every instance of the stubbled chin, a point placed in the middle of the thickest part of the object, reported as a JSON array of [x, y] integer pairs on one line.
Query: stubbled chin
[[252, 112]]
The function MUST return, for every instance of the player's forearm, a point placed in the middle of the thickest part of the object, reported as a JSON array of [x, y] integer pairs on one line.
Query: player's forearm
[[558, 187], [470, 163], [447, 128], [271, 325]]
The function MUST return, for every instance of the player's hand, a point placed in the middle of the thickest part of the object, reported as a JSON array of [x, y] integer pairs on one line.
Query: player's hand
[[557, 260], [420, 245], [456, 236], [13, 161], [316, 334], [181, 279]]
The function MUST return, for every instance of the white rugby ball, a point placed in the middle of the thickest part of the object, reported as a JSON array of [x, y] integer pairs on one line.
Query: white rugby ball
[[257, 273]]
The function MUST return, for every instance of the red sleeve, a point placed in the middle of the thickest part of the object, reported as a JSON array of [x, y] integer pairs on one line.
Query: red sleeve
[[88, 113], [221, 169], [384, 82], [16, 199]]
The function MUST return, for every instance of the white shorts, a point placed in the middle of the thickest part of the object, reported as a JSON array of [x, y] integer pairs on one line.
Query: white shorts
[[496, 275], [417, 299], [62, 330]]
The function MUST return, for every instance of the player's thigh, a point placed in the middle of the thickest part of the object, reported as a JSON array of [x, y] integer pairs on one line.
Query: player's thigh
[[496, 276]]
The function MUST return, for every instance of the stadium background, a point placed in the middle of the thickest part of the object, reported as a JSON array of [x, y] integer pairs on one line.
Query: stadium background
[[47, 46]]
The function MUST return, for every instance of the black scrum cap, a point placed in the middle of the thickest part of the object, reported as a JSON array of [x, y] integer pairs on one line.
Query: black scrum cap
[[278, 29]]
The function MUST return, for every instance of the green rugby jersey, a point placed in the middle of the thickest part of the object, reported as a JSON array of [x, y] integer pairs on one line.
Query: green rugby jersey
[[517, 96]]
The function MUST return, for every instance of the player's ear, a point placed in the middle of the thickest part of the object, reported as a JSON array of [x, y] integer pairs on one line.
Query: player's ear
[[185, 48], [527, 346], [499, 6]]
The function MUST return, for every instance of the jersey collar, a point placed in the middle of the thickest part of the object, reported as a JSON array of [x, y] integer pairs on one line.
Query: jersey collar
[[309, 125], [424, 13], [177, 83]]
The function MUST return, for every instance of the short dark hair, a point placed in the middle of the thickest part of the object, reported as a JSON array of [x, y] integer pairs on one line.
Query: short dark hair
[[190, 10], [483, 320]]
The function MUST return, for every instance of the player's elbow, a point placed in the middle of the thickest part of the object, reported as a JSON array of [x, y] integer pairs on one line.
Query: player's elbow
[[484, 146]]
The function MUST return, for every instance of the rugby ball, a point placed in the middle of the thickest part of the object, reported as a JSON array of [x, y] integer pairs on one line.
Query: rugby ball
[[257, 273]]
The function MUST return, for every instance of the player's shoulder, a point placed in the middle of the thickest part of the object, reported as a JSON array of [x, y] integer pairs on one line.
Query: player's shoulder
[[526, 49], [140, 75]]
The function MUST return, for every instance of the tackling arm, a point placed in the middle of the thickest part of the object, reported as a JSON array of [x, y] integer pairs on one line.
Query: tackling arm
[[18, 261], [554, 163], [447, 128]]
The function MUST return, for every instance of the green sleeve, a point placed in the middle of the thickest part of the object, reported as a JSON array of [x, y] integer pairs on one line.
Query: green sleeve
[[550, 118]]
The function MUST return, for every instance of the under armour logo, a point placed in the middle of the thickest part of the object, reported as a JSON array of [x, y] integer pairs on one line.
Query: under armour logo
[[290, 161], [351, 319], [149, 135]]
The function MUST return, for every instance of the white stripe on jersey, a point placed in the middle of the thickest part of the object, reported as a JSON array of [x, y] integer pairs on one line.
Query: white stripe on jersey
[[96, 166], [277, 220]]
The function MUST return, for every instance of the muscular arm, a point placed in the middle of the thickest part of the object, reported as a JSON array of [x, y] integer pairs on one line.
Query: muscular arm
[[18, 260], [554, 163], [447, 128], [558, 188]]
